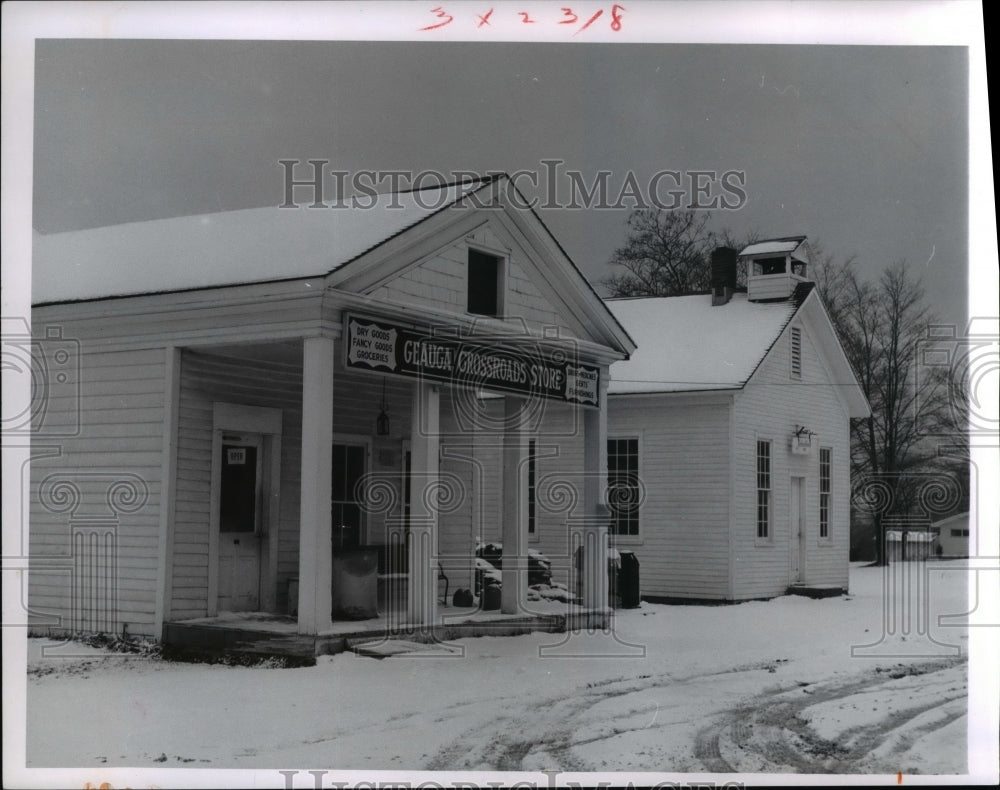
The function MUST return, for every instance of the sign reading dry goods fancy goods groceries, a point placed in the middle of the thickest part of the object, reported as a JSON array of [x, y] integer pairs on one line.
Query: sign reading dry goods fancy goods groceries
[[389, 348]]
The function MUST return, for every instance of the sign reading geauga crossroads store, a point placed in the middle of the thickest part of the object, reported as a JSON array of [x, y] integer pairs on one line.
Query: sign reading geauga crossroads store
[[378, 346]]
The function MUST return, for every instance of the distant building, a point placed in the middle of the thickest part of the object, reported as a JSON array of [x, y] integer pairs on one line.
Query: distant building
[[910, 545], [953, 535]]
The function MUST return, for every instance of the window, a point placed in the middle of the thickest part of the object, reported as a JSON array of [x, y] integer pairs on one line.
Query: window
[[960, 533], [531, 486], [825, 454], [239, 487], [767, 266], [796, 352], [623, 486], [349, 462], [485, 277], [763, 489]]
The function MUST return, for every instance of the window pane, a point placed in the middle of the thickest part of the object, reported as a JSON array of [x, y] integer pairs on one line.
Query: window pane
[[354, 468], [238, 489], [763, 488], [339, 454], [483, 283], [623, 485]]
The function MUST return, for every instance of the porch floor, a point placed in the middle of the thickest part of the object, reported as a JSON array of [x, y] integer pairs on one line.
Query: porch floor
[[263, 635]]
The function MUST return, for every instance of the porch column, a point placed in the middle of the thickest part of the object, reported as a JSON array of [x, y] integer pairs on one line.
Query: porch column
[[514, 508], [424, 454], [315, 546], [596, 514]]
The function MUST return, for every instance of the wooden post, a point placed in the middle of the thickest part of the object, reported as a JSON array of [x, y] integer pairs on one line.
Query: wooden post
[[425, 438], [514, 508], [315, 545], [596, 514]]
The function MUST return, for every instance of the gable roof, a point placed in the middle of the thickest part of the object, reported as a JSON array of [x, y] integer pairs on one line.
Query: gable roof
[[226, 248], [686, 345]]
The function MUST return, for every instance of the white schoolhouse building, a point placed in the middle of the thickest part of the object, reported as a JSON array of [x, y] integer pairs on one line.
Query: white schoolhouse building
[[241, 412], [730, 423]]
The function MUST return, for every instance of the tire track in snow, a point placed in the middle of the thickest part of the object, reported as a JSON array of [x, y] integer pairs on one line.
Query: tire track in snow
[[765, 733], [771, 734]]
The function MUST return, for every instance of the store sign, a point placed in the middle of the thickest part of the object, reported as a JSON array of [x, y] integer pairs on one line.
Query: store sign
[[377, 346]]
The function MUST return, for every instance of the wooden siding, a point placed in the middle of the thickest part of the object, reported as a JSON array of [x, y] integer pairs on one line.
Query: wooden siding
[[93, 555], [770, 407], [441, 282], [205, 380], [682, 547], [772, 286], [254, 312]]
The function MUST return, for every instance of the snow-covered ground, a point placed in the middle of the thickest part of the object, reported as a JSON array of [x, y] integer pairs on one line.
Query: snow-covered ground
[[791, 685]]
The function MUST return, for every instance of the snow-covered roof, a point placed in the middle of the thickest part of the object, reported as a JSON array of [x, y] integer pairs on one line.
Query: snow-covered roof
[[778, 246], [686, 344], [957, 518], [226, 248]]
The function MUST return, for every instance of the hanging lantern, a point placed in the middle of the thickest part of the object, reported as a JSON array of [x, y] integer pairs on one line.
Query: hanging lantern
[[382, 421]]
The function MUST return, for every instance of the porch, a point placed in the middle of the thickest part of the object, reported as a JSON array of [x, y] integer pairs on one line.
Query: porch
[[267, 522], [258, 635]]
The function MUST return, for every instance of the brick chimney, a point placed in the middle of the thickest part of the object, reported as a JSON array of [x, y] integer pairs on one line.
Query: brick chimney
[[723, 275]]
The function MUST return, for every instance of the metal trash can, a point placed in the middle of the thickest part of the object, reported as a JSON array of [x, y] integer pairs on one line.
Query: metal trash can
[[292, 609], [355, 584], [628, 580], [613, 564]]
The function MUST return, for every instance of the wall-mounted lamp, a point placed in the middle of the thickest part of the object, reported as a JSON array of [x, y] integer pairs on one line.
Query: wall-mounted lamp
[[382, 421], [801, 442]]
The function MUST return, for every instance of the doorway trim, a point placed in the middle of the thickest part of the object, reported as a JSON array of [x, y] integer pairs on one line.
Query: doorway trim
[[248, 419]]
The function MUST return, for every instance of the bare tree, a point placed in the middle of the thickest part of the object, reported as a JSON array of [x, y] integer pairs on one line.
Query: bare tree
[[666, 254], [881, 326]]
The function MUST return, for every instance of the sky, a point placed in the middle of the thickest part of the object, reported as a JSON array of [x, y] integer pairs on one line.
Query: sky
[[862, 148]]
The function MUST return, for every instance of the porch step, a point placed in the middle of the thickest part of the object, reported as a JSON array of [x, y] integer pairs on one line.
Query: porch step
[[816, 590], [196, 642], [384, 648]]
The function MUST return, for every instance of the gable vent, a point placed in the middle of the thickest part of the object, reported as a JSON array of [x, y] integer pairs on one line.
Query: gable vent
[[796, 353]]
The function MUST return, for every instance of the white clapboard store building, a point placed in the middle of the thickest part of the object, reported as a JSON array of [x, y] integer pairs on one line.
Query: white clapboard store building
[[734, 415], [227, 397]]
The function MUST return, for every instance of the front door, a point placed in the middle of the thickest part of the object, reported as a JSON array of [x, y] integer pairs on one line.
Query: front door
[[240, 518], [798, 526]]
